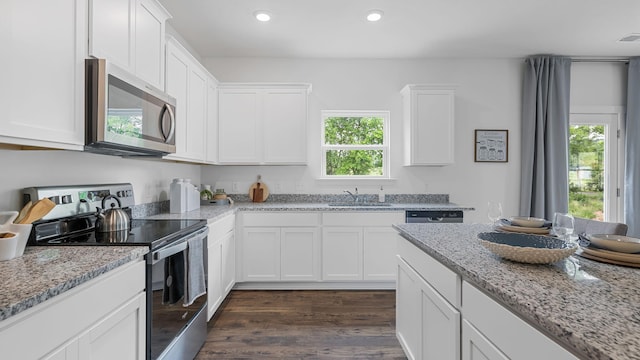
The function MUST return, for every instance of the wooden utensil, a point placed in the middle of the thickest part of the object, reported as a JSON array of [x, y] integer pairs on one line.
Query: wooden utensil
[[37, 211], [23, 212], [258, 192]]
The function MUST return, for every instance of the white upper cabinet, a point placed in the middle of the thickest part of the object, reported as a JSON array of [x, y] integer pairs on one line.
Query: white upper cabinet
[[191, 85], [263, 123], [428, 112], [130, 34], [42, 72]]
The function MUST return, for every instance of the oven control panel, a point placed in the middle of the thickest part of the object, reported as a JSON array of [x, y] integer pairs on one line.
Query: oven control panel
[[79, 199]]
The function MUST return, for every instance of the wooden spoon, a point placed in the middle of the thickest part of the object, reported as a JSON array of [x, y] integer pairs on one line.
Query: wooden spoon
[[23, 212], [37, 211]]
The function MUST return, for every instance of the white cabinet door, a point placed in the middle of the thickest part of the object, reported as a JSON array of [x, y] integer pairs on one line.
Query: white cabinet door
[[69, 351], [188, 83], [239, 125], [130, 34], [194, 147], [214, 274], [261, 254], [380, 253], [262, 123], [427, 326], [476, 347], [228, 262], [150, 42], [342, 253], [112, 31], [440, 325], [211, 123], [42, 73], [285, 123], [428, 125], [408, 306], [119, 336], [299, 254]]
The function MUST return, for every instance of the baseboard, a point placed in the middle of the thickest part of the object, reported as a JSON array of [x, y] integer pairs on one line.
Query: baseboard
[[382, 285]]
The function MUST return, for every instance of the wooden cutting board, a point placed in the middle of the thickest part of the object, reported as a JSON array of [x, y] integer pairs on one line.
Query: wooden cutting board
[[258, 192]]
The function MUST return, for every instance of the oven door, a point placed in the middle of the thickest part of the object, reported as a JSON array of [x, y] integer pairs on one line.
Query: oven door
[[173, 330]]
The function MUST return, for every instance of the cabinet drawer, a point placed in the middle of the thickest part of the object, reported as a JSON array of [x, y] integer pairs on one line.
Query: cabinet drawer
[[280, 219], [221, 227], [362, 218], [512, 335], [446, 282]]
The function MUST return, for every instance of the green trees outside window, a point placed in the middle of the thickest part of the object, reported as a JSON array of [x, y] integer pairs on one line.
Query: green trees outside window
[[354, 145], [586, 171]]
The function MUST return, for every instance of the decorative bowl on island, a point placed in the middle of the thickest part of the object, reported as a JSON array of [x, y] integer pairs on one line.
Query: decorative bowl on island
[[527, 248]]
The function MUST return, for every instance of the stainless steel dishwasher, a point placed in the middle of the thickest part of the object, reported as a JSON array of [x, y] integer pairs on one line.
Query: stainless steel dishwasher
[[433, 216]]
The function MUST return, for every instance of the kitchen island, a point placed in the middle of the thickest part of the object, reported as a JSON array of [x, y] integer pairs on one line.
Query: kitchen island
[[591, 309]]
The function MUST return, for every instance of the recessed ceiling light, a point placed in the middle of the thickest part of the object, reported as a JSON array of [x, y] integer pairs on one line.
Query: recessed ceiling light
[[374, 15], [262, 15]]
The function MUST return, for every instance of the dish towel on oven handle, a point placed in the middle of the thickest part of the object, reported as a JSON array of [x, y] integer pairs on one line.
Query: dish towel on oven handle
[[194, 271]]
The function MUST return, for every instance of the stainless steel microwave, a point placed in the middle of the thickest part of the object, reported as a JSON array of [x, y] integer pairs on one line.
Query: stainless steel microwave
[[126, 116]]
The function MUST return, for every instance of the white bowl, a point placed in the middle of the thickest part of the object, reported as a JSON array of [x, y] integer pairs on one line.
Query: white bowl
[[617, 243], [8, 246], [526, 221]]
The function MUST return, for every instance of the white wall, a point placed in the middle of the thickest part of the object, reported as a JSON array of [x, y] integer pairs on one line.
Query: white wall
[[598, 84], [488, 97], [25, 168]]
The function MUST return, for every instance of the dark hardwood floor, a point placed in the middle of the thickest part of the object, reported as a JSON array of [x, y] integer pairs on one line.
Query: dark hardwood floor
[[304, 325]]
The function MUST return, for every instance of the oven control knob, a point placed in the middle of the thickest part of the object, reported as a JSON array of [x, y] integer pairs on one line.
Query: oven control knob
[[55, 199], [66, 199]]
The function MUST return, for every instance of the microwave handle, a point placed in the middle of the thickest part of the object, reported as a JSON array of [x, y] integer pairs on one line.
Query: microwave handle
[[167, 108]]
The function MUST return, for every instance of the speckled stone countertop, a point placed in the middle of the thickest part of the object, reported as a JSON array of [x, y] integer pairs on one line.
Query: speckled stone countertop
[[590, 307], [215, 212], [44, 272]]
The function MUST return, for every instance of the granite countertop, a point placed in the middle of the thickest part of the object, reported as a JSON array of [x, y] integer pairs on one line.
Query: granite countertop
[[215, 212], [590, 307], [44, 272]]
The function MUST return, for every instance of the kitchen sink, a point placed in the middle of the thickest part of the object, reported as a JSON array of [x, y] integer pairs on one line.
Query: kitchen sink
[[358, 204]]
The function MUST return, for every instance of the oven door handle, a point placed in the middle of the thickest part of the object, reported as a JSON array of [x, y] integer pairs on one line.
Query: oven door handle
[[177, 246], [168, 251]]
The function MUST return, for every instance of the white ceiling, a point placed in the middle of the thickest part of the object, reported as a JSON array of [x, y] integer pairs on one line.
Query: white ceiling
[[409, 28]]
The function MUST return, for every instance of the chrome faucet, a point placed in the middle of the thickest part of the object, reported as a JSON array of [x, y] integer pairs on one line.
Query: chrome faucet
[[355, 196]]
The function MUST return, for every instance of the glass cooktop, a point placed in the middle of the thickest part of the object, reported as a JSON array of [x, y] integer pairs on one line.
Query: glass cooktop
[[154, 233]]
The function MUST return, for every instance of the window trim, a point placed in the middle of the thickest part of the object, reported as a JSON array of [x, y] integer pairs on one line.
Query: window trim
[[614, 129], [385, 146]]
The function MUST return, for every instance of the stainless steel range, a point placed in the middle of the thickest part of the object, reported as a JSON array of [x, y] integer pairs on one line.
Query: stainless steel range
[[174, 330]]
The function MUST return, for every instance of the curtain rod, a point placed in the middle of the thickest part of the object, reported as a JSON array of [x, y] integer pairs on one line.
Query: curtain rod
[[587, 59]]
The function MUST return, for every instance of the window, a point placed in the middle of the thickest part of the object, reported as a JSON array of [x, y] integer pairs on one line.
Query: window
[[593, 165], [355, 144]]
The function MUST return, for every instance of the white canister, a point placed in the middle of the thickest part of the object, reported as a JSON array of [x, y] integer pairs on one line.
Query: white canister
[[177, 197]]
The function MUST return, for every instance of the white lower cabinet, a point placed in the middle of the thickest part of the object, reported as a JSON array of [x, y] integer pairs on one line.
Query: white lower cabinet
[[359, 245], [477, 347], [497, 333], [342, 253], [104, 318], [280, 247], [427, 325], [221, 262]]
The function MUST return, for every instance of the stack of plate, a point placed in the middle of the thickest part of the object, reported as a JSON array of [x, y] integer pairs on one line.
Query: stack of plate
[[526, 225], [612, 249]]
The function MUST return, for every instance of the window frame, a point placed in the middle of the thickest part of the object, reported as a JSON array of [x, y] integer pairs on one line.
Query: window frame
[[385, 146], [611, 118]]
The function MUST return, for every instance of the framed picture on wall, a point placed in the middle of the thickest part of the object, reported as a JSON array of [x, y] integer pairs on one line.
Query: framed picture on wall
[[491, 146]]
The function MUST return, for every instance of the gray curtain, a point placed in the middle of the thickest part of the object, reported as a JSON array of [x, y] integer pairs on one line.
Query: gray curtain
[[632, 151], [544, 184]]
